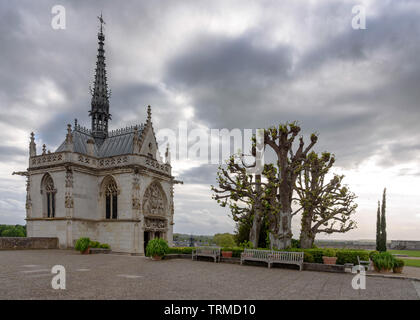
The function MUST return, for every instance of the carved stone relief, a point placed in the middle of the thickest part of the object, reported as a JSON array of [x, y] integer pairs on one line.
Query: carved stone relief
[[155, 224], [69, 178], [68, 202], [153, 201]]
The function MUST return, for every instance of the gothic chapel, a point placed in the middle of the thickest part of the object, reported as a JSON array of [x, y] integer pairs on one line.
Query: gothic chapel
[[110, 186]]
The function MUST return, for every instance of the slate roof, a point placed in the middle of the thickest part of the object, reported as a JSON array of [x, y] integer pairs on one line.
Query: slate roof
[[118, 142]]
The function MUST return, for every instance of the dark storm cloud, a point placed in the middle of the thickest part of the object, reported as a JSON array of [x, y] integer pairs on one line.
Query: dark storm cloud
[[205, 174], [9, 153], [227, 76], [235, 84]]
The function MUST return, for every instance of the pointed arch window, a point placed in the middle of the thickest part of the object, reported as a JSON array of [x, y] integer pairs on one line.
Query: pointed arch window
[[111, 199], [49, 192]]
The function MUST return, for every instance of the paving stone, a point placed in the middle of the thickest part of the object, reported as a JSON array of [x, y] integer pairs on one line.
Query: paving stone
[[134, 277]]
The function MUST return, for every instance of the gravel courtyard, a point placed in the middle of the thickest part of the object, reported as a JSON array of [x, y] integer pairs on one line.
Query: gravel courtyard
[[27, 275]]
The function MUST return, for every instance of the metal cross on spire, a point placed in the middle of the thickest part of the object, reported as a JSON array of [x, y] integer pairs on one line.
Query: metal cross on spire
[[101, 20]]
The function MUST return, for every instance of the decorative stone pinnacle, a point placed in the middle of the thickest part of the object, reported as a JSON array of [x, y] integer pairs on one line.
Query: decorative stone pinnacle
[[149, 113], [69, 136], [100, 93], [44, 149], [32, 146]]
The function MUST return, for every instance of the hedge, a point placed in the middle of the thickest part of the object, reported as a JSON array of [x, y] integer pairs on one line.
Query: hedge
[[310, 255], [180, 250], [350, 256]]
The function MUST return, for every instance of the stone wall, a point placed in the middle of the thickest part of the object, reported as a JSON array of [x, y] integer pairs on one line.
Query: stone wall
[[16, 243]]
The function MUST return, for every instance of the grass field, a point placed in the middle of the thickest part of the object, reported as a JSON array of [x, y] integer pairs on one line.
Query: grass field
[[412, 263], [410, 253]]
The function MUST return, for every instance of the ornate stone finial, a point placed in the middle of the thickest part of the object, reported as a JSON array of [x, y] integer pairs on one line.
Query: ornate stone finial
[[69, 139], [149, 113], [32, 146], [44, 149], [167, 155]]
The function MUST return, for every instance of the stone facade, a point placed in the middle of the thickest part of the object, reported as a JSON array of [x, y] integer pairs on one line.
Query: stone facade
[[144, 193], [112, 187]]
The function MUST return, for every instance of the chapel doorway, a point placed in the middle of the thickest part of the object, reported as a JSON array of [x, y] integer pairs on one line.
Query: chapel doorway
[[146, 239]]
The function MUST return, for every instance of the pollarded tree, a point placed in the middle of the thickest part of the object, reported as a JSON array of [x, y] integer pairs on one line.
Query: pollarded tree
[[242, 193], [326, 205], [281, 140]]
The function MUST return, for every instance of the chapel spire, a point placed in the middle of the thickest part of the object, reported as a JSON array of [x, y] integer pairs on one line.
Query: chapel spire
[[100, 93]]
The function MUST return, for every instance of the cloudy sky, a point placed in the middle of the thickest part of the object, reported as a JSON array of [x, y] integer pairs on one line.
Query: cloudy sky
[[225, 64]]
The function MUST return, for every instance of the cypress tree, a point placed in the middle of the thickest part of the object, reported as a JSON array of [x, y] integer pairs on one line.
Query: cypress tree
[[378, 227], [383, 222]]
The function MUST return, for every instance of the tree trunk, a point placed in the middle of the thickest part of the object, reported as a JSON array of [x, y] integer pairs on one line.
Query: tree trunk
[[254, 232], [307, 237], [274, 241], [282, 238]]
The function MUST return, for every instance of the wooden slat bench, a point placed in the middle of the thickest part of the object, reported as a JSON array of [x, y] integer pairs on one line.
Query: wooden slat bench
[[286, 257], [206, 252], [255, 255], [271, 257]]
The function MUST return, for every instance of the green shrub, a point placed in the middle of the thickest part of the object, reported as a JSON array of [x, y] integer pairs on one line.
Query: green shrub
[[246, 244], [372, 253], [82, 244], [329, 252], [308, 257], [180, 250], [105, 246], [224, 239], [316, 254], [94, 244], [343, 255], [350, 256], [398, 263], [383, 261], [157, 247]]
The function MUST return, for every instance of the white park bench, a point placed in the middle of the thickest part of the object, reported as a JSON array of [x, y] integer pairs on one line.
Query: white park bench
[[255, 255], [206, 252], [368, 264], [271, 257], [286, 257]]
